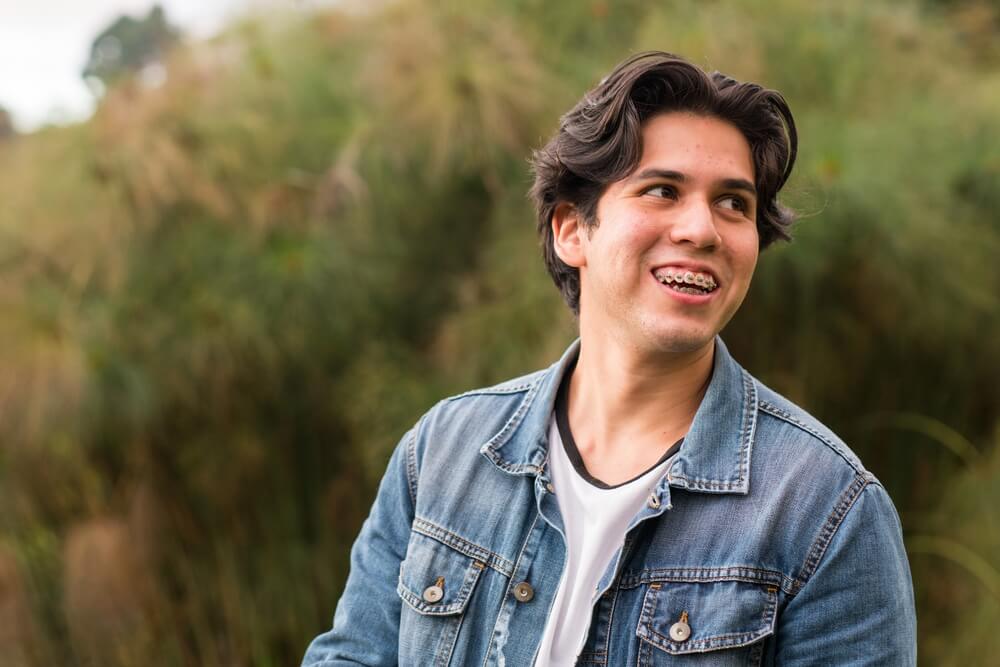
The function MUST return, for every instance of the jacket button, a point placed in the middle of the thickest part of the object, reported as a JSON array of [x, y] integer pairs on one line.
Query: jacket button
[[680, 630], [434, 593], [523, 592]]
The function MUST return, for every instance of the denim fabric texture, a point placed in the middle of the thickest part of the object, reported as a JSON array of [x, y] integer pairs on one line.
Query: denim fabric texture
[[766, 531]]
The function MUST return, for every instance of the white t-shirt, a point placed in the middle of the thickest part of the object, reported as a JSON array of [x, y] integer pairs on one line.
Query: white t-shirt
[[595, 517]]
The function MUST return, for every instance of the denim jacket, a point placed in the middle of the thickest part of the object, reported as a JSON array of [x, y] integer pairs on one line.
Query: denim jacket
[[766, 536]]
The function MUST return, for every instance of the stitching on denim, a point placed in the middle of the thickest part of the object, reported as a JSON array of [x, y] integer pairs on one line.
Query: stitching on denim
[[766, 575], [611, 618], [644, 653], [492, 391], [757, 649], [467, 547], [525, 382], [455, 624], [748, 427], [697, 575], [510, 583], [829, 529], [788, 417], [592, 658], [749, 423], [730, 640], [472, 574], [502, 436], [705, 484], [410, 450], [447, 644], [649, 602]]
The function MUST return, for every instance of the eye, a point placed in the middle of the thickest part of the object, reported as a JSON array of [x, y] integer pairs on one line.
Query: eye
[[661, 191], [735, 203]]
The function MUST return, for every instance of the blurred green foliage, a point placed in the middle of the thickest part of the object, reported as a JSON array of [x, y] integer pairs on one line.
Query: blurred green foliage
[[223, 298]]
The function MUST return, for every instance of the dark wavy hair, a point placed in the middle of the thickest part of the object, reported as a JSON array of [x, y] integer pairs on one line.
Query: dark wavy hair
[[599, 142]]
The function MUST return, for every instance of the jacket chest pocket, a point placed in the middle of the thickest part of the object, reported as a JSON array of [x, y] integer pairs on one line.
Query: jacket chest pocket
[[435, 583], [705, 623]]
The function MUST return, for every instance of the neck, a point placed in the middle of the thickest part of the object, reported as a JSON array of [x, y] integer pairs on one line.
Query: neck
[[626, 408]]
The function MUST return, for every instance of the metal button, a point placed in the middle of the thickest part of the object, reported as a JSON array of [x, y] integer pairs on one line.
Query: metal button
[[680, 630], [434, 593], [550, 488], [523, 592], [654, 501]]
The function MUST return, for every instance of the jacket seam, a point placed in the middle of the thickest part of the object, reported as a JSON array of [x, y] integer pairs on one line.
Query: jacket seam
[[615, 592], [702, 484], [503, 436], [502, 391], [775, 411], [698, 575], [504, 388], [833, 522], [464, 546], [412, 472], [504, 601], [748, 427]]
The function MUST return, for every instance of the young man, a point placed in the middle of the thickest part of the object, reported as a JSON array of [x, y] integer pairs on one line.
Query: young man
[[644, 500]]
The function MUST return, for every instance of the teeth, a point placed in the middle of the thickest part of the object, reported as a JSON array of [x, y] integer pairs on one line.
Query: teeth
[[683, 278]]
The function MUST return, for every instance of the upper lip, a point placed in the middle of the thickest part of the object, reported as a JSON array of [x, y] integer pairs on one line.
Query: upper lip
[[688, 266]]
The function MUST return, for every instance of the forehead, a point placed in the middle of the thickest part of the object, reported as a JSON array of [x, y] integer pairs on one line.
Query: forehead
[[701, 146]]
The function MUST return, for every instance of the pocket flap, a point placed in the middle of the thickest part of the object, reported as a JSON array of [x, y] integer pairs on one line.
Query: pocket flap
[[436, 580], [719, 614]]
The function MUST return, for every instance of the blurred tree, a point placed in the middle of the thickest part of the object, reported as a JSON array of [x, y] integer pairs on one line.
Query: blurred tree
[[128, 45], [6, 125]]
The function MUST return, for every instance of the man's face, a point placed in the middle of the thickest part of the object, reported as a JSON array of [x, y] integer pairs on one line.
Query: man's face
[[676, 243]]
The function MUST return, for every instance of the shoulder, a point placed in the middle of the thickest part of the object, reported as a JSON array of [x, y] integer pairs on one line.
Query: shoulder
[[518, 385], [497, 401], [778, 416], [813, 475], [795, 451], [472, 418]]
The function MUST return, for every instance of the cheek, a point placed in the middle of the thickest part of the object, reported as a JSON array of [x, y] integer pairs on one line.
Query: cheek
[[639, 233], [745, 247], [624, 241]]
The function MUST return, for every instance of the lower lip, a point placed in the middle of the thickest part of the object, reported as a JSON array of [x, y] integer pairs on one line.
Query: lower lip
[[692, 299]]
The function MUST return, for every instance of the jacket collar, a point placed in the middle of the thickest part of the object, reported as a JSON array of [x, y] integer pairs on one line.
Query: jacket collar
[[715, 456]]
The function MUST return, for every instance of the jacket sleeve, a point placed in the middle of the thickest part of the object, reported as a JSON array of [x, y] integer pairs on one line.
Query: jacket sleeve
[[366, 623], [857, 606]]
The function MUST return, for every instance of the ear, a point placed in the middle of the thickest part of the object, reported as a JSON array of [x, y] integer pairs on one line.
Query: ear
[[568, 235]]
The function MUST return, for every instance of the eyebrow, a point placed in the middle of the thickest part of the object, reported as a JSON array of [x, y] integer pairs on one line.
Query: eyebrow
[[670, 175]]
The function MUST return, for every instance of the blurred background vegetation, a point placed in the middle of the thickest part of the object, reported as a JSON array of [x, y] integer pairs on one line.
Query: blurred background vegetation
[[225, 296]]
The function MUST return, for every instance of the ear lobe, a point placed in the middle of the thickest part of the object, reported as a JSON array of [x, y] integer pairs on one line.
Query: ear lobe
[[567, 233]]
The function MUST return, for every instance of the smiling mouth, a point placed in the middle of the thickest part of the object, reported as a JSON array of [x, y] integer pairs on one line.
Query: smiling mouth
[[687, 282]]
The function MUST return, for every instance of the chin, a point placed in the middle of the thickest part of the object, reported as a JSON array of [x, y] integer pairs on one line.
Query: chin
[[676, 340]]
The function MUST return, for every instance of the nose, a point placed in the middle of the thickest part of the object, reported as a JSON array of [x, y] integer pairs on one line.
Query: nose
[[695, 224]]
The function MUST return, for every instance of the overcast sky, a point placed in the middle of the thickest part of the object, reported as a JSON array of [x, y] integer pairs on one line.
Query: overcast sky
[[44, 45]]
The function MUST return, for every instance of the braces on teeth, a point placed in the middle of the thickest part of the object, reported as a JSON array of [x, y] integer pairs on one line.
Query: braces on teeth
[[688, 282]]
